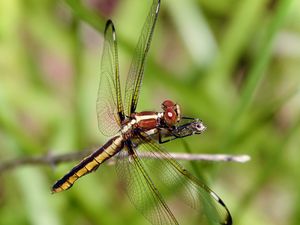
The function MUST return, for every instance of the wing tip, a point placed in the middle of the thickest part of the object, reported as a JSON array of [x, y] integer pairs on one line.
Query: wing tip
[[228, 220], [109, 23]]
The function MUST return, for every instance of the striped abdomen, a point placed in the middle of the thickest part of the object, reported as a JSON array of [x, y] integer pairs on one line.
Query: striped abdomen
[[89, 164]]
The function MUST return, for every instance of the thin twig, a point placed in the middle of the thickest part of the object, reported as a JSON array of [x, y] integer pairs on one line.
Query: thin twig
[[53, 160], [203, 157], [48, 159]]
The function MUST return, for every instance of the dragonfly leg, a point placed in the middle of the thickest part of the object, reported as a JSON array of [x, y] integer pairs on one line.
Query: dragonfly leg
[[165, 138], [187, 118]]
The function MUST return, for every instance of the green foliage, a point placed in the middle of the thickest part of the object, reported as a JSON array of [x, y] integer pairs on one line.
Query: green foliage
[[233, 64]]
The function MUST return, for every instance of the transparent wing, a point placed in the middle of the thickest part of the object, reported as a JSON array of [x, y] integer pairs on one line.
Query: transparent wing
[[109, 105], [170, 178], [141, 190], [136, 71]]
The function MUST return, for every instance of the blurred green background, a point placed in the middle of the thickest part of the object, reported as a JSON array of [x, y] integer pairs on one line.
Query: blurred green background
[[234, 64]]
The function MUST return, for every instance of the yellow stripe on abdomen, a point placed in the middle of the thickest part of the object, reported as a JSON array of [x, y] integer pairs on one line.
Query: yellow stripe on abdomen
[[89, 164]]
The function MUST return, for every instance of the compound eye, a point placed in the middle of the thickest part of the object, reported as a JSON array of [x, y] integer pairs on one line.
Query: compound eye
[[167, 104], [170, 114], [170, 117]]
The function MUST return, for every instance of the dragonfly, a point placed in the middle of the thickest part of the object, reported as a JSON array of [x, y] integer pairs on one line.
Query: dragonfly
[[144, 179]]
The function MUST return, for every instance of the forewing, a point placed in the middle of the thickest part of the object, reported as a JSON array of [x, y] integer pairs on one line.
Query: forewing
[[136, 71], [141, 190], [168, 175], [109, 105]]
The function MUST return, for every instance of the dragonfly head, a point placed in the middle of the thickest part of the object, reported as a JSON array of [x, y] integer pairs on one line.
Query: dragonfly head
[[171, 112]]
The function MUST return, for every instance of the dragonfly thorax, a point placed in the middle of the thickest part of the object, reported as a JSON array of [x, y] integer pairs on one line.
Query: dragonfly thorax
[[149, 120], [143, 121]]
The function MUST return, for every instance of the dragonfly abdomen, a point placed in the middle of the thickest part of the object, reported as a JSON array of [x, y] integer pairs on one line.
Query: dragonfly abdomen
[[89, 163]]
